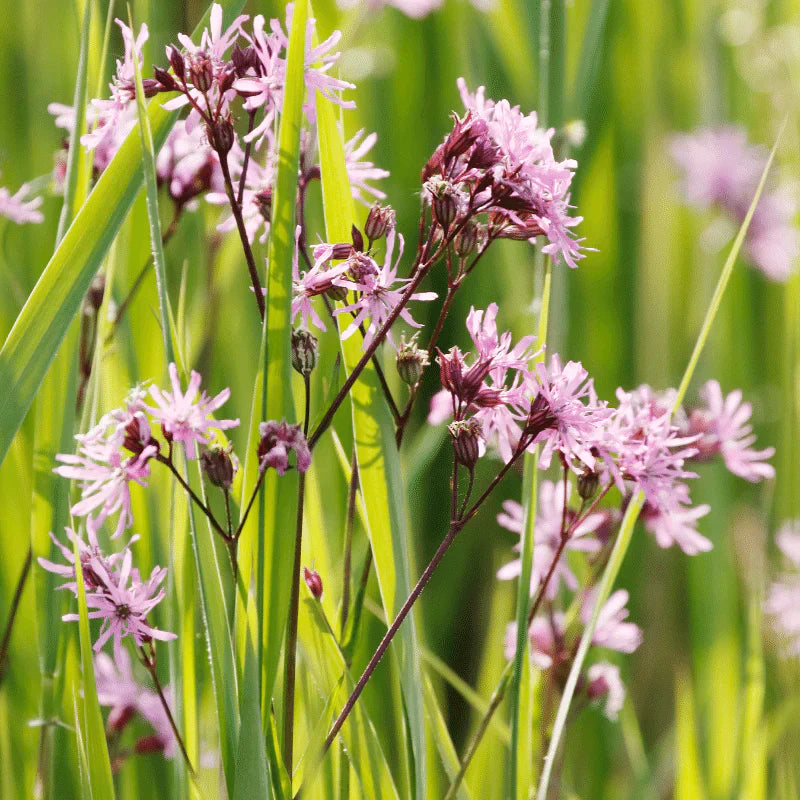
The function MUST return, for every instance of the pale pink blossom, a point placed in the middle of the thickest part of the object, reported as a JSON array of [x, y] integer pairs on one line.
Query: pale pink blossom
[[783, 596], [185, 417], [360, 171], [20, 207], [604, 682], [278, 439], [613, 631]]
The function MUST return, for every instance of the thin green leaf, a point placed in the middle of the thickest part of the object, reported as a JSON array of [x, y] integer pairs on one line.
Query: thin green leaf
[[278, 502], [378, 460], [99, 766], [689, 784]]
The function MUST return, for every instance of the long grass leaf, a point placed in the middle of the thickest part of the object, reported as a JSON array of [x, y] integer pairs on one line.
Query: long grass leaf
[[377, 456]]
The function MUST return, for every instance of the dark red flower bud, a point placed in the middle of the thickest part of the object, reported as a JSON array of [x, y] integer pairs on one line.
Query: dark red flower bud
[[201, 71], [226, 79], [221, 135], [466, 241], [358, 239], [466, 436], [176, 62], [166, 80], [379, 220], [149, 744], [313, 581], [219, 466]]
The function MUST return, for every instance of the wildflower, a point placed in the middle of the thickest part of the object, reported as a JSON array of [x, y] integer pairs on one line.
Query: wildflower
[[219, 465], [116, 687], [19, 209], [603, 681], [783, 596], [612, 630], [379, 220], [723, 429], [721, 169], [277, 439], [552, 523], [123, 602], [313, 581], [360, 171], [314, 282], [187, 165], [377, 299], [151, 709], [90, 557], [566, 411], [105, 475], [185, 417]]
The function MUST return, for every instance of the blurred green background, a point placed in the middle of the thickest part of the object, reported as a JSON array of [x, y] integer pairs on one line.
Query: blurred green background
[[630, 313]]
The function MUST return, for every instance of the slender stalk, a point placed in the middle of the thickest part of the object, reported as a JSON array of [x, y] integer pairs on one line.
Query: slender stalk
[[247, 150], [188, 489], [477, 737], [290, 659], [12, 613], [291, 635], [262, 472], [150, 663], [348, 542], [248, 252]]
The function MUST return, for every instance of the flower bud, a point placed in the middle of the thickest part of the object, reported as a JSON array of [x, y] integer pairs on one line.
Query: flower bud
[[97, 288], [411, 360], [466, 435], [336, 293], [379, 220], [226, 80], [264, 203], [221, 135], [201, 71], [242, 59], [304, 351], [219, 466], [444, 201], [313, 581], [588, 481], [149, 744], [176, 61], [358, 239], [466, 241]]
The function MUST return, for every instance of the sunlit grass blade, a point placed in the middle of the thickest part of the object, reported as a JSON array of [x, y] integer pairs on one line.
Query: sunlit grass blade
[[278, 504], [151, 193], [376, 454], [594, 40], [44, 320], [637, 502], [689, 783], [99, 766], [753, 766]]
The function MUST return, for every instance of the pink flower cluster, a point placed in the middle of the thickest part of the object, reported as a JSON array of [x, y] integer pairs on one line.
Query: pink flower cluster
[[115, 591], [20, 207], [722, 170], [117, 451], [520, 401]]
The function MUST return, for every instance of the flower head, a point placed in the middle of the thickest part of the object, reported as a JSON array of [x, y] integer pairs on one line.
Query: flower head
[[277, 440], [185, 417], [18, 208]]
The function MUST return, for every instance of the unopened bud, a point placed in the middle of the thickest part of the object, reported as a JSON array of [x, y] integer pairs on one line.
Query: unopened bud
[[411, 361], [313, 581], [201, 71], [226, 80], [219, 466], [444, 201], [264, 203], [176, 61], [358, 239], [97, 288], [466, 435], [149, 744], [379, 220], [221, 135], [466, 241], [304, 351], [588, 481]]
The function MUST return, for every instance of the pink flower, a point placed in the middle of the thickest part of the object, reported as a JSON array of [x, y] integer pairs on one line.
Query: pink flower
[[186, 417], [783, 596], [376, 297], [572, 418], [123, 602], [360, 171], [547, 537], [723, 428], [612, 631], [277, 440], [675, 522], [105, 476], [187, 164], [19, 209], [539, 183], [720, 168], [604, 682], [116, 687], [314, 282]]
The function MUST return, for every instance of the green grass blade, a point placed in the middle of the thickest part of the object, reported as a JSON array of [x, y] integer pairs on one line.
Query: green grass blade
[[43, 322], [99, 766], [252, 770], [632, 512], [590, 59], [378, 459], [689, 784], [279, 498], [151, 192]]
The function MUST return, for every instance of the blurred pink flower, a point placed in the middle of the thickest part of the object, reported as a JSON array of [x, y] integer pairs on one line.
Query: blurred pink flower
[[783, 597], [277, 439], [612, 629], [604, 681], [18, 208]]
